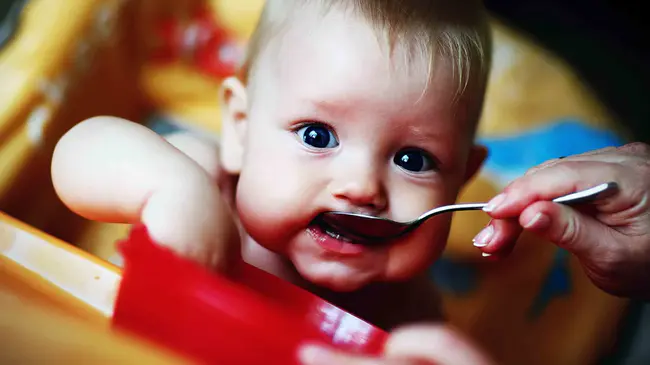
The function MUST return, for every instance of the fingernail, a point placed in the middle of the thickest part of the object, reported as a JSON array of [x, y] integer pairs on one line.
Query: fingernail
[[494, 203], [539, 220], [483, 238]]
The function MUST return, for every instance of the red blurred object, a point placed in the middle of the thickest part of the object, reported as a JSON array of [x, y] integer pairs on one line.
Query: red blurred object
[[199, 40], [255, 319]]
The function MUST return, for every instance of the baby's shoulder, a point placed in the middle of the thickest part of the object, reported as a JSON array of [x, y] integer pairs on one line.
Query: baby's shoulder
[[203, 151]]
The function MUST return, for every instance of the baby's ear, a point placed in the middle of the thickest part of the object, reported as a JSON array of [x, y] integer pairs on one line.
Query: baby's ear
[[475, 160], [234, 121]]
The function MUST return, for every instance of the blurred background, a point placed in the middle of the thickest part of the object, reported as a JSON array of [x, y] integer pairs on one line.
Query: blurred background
[[571, 76], [606, 42]]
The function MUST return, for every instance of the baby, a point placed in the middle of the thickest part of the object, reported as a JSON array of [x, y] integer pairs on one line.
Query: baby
[[352, 105]]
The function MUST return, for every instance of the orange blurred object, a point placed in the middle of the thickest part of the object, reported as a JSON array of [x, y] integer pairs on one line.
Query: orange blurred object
[[56, 302]]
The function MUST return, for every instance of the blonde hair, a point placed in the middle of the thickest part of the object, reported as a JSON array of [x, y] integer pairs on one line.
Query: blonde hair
[[456, 30]]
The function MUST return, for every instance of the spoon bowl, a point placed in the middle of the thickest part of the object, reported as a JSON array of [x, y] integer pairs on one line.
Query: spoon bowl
[[373, 230]]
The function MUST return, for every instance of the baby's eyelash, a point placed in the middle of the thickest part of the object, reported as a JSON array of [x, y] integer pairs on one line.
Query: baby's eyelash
[[299, 125], [316, 135]]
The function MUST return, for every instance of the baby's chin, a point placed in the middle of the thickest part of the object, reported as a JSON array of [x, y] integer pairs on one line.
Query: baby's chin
[[335, 276]]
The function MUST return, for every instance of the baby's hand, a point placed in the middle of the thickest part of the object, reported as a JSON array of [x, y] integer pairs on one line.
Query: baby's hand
[[113, 170], [417, 345], [612, 240]]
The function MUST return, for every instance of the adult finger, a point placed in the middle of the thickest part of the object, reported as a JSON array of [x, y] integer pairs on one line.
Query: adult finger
[[435, 344], [607, 154], [498, 237], [636, 149], [621, 154], [568, 228], [553, 182]]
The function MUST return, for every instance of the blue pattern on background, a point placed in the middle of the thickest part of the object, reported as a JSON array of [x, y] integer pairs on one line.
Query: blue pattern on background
[[567, 137], [162, 125], [557, 284], [454, 277]]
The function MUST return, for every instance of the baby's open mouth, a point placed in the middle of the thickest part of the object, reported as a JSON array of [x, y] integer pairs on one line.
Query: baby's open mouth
[[332, 232], [338, 235]]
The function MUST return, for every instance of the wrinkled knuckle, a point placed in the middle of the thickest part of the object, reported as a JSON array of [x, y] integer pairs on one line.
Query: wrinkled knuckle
[[637, 148], [609, 267], [642, 164], [569, 233], [638, 168]]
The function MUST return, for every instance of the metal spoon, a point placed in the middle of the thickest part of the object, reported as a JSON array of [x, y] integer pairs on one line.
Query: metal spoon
[[371, 230]]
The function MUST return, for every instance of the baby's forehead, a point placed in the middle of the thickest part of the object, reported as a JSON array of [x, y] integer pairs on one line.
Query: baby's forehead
[[338, 56], [341, 50], [340, 32], [359, 83]]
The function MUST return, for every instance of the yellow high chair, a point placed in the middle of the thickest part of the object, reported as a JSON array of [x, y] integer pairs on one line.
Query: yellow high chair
[[71, 60]]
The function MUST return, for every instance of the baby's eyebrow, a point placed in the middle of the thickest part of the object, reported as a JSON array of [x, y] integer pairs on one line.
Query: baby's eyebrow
[[425, 134], [331, 108]]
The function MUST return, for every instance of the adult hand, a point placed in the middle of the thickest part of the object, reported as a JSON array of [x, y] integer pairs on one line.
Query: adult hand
[[415, 345], [611, 237]]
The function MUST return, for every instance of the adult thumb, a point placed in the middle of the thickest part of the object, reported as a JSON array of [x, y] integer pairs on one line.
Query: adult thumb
[[566, 227]]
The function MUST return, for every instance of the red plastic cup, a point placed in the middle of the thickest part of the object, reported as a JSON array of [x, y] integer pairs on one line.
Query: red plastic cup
[[255, 318]]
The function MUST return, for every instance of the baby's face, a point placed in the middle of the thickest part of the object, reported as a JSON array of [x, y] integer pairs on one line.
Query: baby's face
[[335, 123]]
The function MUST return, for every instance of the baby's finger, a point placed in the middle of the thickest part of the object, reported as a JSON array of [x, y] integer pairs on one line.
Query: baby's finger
[[320, 355], [434, 344], [498, 237]]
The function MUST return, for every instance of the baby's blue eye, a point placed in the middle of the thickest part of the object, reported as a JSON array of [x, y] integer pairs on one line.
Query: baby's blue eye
[[414, 160], [318, 136]]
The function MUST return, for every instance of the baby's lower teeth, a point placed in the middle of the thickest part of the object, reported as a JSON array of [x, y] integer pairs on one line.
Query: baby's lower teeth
[[336, 235], [332, 234]]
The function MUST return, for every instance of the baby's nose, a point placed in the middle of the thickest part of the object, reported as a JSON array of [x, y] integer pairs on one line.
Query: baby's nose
[[361, 189]]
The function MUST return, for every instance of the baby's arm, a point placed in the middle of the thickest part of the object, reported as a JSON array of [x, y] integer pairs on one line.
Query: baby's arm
[[113, 170]]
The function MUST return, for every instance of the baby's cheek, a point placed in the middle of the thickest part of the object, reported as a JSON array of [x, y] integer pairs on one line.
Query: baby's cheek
[[418, 253], [267, 213]]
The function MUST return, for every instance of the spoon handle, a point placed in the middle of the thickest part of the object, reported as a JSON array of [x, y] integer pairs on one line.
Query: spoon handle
[[582, 196], [590, 194]]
